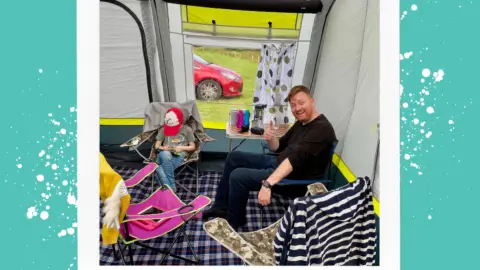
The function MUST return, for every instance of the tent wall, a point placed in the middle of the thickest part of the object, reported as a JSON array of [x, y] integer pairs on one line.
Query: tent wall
[[362, 135], [123, 84], [347, 84], [315, 43], [337, 73]]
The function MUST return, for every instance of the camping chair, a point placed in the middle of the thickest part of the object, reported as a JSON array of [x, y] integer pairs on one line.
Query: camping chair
[[254, 248], [154, 120], [161, 213], [288, 182]]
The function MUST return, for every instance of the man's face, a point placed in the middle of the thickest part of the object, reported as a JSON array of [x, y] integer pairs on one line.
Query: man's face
[[302, 106]]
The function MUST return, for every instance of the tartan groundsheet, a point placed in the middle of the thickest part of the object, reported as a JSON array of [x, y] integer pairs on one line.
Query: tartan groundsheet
[[207, 249]]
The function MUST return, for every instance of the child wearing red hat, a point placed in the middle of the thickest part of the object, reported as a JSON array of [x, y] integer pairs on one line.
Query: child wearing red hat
[[173, 140]]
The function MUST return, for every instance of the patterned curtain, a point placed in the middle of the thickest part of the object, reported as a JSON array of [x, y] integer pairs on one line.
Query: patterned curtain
[[274, 80]]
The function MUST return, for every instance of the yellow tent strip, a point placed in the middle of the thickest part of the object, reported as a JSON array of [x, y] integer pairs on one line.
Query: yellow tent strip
[[348, 174], [240, 18], [342, 167]]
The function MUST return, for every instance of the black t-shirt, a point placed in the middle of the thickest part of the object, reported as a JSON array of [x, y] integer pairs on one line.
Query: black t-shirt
[[308, 148]]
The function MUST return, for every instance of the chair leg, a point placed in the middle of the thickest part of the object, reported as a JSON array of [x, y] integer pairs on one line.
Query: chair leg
[[191, 247], [130, 254], [197, 176], [121, 254]]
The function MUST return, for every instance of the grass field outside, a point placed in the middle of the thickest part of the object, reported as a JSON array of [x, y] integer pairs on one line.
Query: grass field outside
[[245, 63]]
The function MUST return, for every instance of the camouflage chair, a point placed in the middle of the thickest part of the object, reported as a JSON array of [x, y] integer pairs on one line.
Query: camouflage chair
[[154, 120], [254, 248]]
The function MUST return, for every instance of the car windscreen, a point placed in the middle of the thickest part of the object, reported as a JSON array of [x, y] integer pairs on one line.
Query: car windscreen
[[200, 60]]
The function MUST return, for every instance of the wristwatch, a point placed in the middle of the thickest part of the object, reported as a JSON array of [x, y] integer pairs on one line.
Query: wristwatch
[[266, 184]]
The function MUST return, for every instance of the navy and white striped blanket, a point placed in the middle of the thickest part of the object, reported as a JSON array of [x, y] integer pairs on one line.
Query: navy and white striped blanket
[[333, 228]]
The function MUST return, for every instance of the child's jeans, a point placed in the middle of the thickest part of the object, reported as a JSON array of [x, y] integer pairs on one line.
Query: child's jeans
[[167, 163]]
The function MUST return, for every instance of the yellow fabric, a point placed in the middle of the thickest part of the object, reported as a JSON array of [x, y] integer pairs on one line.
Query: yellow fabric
[[108, 181], [240, 18]]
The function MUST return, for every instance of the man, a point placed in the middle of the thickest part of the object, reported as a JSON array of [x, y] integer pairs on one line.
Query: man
[[303, 153]]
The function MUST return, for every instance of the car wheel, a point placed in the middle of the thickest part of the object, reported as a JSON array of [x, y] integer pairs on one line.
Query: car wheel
[[209, 90]]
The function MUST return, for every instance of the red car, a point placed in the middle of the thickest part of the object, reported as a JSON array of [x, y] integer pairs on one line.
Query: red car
[[213, 82]]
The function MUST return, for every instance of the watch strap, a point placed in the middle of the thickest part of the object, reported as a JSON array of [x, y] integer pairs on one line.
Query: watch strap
[[266, 184]]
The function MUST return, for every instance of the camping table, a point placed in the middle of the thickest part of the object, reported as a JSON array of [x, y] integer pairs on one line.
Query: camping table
[[232, 133]]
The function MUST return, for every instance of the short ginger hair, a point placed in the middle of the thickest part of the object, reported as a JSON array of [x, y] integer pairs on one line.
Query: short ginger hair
[[297, 89]]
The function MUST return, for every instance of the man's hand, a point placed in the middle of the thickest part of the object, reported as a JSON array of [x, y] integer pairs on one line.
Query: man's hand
[[164, 148], [264, 196], [268, 134], [178, 149]]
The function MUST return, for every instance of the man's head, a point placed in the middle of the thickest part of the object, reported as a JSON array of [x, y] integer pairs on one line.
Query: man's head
[[302, 103]]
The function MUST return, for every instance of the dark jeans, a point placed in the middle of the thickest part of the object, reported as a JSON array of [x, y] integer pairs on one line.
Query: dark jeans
[[243, 172]]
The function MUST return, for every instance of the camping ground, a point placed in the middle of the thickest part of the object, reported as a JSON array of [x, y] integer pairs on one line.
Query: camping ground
[[245, 63]]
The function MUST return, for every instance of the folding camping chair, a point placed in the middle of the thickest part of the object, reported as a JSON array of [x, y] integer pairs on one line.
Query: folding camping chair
[[288, 182], [161, 213], [154, 120], [254, 248]]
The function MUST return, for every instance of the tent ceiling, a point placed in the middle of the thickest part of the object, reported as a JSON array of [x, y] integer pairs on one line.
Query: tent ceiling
[[290, 6]]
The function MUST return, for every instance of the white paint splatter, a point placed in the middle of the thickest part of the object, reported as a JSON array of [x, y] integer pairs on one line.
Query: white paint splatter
[[416, 121], [71, 199], [54, 167], [407, 156], [429, 216], [430, 110], [62, 233], [426, 72], [405, 105], [19, 166], [63, 131], [450, 122], [40, 178], [40, 70], [70, 231], [64, 182], [428, 135], [44, 215], [414, 7]]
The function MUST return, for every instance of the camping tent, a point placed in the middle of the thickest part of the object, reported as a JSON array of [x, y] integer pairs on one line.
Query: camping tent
[[336, 55]]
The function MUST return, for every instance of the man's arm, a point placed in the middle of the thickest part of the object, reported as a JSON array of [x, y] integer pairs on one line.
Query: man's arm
[[277, 145], [314, 143], [284, 169]]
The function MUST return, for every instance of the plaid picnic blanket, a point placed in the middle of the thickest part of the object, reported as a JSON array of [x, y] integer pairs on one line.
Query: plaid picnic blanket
[[207, 249]]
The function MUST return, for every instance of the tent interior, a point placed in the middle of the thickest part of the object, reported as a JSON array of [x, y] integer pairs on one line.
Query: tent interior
[[172, 51]]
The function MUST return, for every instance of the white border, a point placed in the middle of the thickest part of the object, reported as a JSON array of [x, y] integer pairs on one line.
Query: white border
[[88, 136], [88, 95], [390, 134]]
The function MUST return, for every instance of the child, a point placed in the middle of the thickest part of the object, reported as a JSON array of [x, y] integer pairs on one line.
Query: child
[[173, 140]]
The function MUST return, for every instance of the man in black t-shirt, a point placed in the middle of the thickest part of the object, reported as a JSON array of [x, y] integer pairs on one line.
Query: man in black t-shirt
[[303, 153]]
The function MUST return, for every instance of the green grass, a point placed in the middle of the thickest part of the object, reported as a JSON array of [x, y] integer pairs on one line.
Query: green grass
[[245, 63]]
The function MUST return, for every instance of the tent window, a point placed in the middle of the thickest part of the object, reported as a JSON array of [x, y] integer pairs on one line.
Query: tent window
[[224, 79], [241, 23]]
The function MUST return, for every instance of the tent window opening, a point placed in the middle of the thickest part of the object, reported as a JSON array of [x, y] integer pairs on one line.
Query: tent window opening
[[232, 78], [224, 78], [238, 23]]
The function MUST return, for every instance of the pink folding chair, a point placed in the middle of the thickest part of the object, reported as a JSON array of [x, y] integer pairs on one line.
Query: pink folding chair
[[161, 213]]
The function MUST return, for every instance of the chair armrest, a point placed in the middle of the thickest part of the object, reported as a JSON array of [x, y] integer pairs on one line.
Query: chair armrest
[[287, 182]]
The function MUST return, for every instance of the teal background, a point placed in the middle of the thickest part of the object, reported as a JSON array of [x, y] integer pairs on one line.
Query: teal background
[[42, 35], [448, 188], [37, 35]]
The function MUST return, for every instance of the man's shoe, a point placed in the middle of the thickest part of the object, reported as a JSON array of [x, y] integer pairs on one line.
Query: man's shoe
[[236, 225], [215, 212]]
